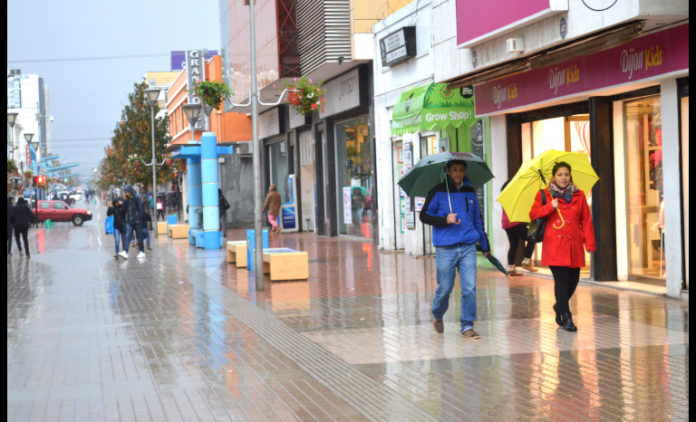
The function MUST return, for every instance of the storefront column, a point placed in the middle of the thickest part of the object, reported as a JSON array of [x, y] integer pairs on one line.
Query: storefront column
[[603, 263], [672, 187], [499, 167]]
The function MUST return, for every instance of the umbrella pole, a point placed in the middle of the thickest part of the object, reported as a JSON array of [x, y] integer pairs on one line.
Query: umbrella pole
[[449, 200]]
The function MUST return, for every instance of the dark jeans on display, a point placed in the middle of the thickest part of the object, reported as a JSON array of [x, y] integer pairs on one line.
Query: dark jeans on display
[[515, 234], [565, 281]]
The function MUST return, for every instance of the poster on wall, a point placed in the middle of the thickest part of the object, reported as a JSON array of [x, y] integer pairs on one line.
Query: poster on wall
[[420, 201], [347, 211]]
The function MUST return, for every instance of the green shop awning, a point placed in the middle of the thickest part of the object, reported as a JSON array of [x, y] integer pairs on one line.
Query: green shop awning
[[431, 107]]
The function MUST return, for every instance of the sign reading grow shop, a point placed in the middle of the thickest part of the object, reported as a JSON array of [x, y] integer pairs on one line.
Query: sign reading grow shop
[[398, 46]]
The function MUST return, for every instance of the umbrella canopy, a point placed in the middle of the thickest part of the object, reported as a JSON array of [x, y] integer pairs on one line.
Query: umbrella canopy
[[496, 263], [518, 196], [429, 171]]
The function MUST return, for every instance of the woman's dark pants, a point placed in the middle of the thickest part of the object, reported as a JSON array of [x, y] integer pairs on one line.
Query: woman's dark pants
[[565, 281]]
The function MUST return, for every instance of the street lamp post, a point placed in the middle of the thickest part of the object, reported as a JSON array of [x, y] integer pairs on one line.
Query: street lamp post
[[27, 137], [11, 119], [152, 94], [192, 111]]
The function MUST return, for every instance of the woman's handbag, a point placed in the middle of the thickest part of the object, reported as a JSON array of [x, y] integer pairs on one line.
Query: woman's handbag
[[536, 228], [109, 224]]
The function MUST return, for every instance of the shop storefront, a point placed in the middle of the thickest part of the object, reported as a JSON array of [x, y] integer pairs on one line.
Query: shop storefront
[[618, 106], [344, 166], [426, 120]]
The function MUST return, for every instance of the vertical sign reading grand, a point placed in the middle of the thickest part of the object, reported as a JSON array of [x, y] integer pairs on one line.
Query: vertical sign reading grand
[[195, 72]]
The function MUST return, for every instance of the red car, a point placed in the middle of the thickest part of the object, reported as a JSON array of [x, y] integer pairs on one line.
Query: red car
[[60, 211]]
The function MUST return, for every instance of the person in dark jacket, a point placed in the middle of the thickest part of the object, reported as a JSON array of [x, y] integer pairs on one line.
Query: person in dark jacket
[[146, 226], [134, 218], [116, 209], [10, 209], [568, 233], [452, 209], [223, 206], [21, 219]]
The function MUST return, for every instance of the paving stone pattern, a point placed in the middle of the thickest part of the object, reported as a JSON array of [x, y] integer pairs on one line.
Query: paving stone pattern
[[184, 336]]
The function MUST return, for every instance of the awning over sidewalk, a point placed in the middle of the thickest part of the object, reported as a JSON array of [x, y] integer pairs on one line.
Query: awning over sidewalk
[[430, 107]]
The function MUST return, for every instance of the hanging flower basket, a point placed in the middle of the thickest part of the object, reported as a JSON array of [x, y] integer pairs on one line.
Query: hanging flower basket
[[309, 95], [212, 93], [293, 97]]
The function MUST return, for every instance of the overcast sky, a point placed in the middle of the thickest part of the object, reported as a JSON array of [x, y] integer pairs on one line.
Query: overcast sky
[[87, 96]]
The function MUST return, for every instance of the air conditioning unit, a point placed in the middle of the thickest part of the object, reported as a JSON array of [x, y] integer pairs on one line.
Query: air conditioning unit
[[515, 45], [242, 148]]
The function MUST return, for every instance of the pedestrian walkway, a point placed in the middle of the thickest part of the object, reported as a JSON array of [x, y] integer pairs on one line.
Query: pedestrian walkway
[[183, 336]]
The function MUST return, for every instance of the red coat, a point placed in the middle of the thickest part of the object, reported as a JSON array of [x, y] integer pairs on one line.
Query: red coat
[[564, 246]]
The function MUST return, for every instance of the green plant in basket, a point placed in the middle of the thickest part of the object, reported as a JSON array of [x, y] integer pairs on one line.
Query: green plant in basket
[[304, 95], [212, 93]]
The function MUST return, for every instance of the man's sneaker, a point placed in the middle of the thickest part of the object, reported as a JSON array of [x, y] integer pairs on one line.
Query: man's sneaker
[[123, 254], [470, 333], [141, 254], [438, 325]]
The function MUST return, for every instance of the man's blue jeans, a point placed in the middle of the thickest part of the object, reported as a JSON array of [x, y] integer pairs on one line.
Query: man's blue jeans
[[447, 259], [117, 238], [130, 228], [146, 235]]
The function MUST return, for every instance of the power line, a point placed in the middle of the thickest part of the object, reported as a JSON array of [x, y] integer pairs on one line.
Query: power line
[[77, 59]]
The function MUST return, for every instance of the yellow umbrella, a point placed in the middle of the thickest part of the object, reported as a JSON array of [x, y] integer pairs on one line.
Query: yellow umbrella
[[518, 196]]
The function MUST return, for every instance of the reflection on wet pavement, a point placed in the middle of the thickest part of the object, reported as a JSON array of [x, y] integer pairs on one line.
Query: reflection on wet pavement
[[182, 335]]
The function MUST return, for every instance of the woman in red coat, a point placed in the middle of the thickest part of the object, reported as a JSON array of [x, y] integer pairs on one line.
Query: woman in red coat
[[564, 237]]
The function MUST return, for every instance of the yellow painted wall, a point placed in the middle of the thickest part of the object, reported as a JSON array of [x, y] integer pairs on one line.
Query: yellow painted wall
[[366, 13]]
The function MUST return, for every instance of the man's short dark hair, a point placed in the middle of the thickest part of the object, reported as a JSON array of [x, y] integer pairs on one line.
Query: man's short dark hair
[[452, 162]]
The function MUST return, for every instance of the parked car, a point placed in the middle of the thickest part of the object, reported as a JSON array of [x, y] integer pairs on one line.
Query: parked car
[[60, 211]]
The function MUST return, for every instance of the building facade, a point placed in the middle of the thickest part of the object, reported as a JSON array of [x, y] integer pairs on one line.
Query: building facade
[[605, 78]]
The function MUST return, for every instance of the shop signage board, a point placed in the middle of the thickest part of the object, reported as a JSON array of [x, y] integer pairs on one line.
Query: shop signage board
[[195, 72], [431, 107], [398, 46], [178, 58], [342, 94], [477, 21], [347, 210], [646, 57]]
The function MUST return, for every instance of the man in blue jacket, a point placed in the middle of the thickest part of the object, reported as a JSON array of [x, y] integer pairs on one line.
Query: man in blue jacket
[[452, 209], [135, 214]]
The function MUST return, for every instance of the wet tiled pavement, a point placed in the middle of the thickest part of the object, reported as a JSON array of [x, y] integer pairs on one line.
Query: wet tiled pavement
[[184, 336]]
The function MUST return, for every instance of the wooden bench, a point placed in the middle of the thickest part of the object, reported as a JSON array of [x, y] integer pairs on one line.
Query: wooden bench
[[285, 264], [161, 227], [178, 231], [237, 253]]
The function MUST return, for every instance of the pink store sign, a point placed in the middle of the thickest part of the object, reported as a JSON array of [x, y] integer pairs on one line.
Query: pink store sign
[[476, 18], [649, 56]]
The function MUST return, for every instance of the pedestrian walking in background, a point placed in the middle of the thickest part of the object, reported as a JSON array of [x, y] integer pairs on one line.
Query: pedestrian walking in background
[[118, 212], [452, 209], [568, 229], [516, 233], [223, 206], [272, 203], [160, 208], [10, 210], [134, 211], [146, 226], [22, 217]]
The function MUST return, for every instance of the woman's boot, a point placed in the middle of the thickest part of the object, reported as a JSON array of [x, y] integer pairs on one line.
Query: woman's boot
[[559, 318], [568, 322], [512, 271], [528, 265]]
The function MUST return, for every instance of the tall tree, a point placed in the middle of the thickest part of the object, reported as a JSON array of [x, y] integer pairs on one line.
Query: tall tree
[[133, 138]]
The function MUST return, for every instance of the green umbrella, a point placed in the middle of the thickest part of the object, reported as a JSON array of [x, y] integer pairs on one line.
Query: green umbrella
[[430, 171], [496, 263]]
